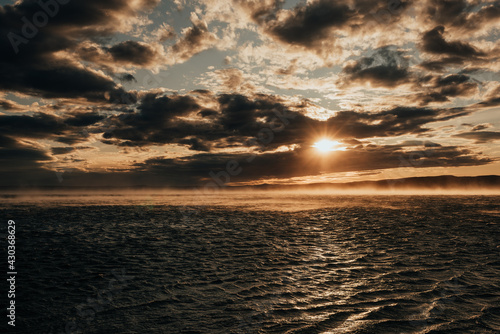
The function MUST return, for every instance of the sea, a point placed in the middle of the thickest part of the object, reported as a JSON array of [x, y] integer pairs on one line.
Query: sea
[[255, 262]]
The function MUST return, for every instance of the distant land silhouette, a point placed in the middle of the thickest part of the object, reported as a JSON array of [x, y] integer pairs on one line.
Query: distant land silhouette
[[426, 182], [444, 182]]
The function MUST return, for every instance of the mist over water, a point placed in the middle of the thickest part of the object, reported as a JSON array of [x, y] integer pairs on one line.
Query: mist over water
[[257, 263], [274, 200]]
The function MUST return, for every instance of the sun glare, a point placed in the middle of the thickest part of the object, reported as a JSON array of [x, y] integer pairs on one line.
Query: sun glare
[[326, 145]]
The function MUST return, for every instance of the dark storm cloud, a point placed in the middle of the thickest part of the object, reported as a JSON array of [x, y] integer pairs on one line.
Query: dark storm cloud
[[463, 18], [441, 88], [462, 14], [441, 64], [37, 126], [68, 20], [393, 122], [204, 168], [84, 119], [127, 77], [132, 52], [480, 136], [32, 32], [57, 80], [239, 120], [434, 42], [18, 156], [451, 53], [386, 67], [208, 113], [407, 143], [455, 85], [389, 67], [69, 130], [195, 144], [309, 24], [155, 122], [68, 149], [62, 150], [447, 11], [128, 53], [424, 99]]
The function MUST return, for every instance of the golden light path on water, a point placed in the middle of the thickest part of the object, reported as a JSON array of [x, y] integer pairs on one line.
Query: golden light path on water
[[264, 261]]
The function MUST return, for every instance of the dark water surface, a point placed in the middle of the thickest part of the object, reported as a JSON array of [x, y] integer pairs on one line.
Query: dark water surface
[[355, 264]]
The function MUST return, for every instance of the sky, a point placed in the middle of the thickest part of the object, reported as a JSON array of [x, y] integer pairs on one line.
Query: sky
[[231, 92]]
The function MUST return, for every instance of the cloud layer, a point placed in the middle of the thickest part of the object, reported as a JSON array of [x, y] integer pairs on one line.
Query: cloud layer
[[161, 92]]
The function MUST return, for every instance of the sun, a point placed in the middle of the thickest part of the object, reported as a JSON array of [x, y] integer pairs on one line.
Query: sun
[[326, 145]]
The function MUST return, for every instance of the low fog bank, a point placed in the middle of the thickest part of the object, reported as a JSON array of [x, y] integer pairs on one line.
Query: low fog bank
[[436, 185]]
